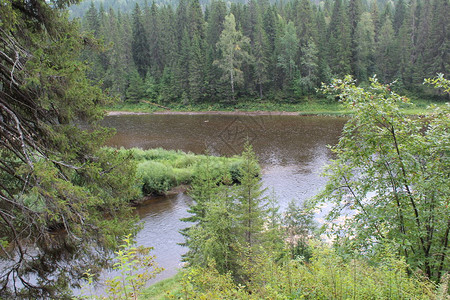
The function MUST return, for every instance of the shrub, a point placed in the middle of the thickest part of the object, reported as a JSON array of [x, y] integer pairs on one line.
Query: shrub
[[156, 177]]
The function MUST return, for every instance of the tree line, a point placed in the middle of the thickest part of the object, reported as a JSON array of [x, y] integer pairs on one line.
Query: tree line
[[224, 52]]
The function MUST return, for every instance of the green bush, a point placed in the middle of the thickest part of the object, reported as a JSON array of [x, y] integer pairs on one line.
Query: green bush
[[327, 276], [159, 170], [156, 177]]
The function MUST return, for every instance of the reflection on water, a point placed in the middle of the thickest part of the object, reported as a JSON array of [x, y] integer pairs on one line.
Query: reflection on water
[[292, 151]]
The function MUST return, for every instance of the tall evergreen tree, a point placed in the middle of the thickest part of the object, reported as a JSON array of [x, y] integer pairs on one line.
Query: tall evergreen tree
[[139, 44], [90, 20], [250, 207], [218, 11], [287, 53], [399, 15], [339, 40], [354, 14], [440, 38], [153, 32], [196, 69], [309, 63], [386, 52], [365, 51], [57, 218], [262, 56], [182, 67]]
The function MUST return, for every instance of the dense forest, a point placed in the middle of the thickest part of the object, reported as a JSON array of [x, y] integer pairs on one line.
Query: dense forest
[[282, 51]]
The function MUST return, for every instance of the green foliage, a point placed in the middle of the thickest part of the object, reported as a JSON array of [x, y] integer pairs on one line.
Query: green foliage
[[232, 46], [287, 52], [439, 82], [300, 228], [63, 200], [326, 276], [389, 181], [136, 267], [285, 49], [232, 223], [159, 170], [156, 177]]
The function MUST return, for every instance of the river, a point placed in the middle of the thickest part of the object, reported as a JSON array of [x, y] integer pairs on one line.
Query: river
[[292, 151]]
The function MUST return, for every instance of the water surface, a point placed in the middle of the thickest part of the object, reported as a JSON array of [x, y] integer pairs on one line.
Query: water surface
[[292, 151]]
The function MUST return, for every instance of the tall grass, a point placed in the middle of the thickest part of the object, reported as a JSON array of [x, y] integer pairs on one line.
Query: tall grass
[[160, 170]]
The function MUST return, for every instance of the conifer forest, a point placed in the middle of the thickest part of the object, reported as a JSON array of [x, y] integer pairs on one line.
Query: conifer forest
[[195, 52]]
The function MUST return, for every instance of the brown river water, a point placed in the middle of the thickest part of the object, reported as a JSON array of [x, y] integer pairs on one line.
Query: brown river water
[[292, 151]]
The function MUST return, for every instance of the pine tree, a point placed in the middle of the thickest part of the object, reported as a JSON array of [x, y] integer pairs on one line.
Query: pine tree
[[63, 198], [399, 15], [136, 88], [196, 24], [153, 32], [216, 19], [324, 72], [90, 20], [423, 42], [309, 64]]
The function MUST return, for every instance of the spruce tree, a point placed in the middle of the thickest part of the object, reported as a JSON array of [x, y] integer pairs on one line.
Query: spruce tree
[[90, 20], [139, 44], [250, 207], [399, 15], [339, 40], [440, 39], [196, 69], [287, 53], [63, 198], [354, 15], [365, 51]]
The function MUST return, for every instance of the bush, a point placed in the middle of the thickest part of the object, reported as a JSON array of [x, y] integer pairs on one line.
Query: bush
[[156, 177], [327, 276]]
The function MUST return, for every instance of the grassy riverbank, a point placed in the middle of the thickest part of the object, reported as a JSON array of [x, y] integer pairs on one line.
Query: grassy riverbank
[[312, 107], [159, 170]]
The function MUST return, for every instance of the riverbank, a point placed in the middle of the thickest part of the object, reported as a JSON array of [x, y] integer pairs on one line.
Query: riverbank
[[244, 108], [418, 107]]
